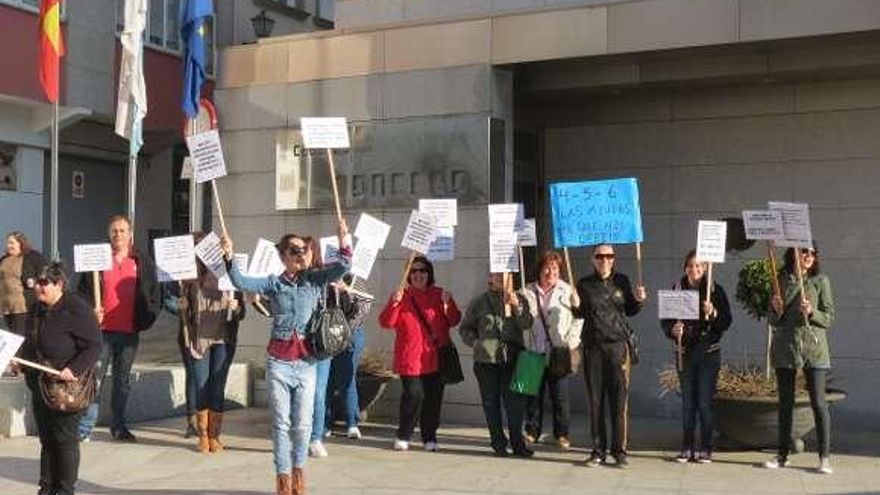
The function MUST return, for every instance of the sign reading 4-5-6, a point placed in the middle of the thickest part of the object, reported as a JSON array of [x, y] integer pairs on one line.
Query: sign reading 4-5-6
[[596, 212]]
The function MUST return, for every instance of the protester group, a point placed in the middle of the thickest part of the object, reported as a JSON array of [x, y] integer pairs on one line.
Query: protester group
[[527, 343]]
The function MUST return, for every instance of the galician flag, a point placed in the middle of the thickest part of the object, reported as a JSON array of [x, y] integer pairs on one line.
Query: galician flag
[[51, 48], [131, 100], [192, 32]]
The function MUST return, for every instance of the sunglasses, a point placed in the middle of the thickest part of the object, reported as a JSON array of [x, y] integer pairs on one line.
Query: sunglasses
[[603, 256], [296, 250], [811, 252], [418, 270], [42, 282]]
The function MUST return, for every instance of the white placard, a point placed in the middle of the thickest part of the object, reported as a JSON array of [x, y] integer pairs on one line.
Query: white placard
[[678, 304], [420, 232], [9, 344], [330, 248], [92, 257], [265, 260], [505, 217], [711, 241], [206, 155], [503, 253], [324, 132], [526, 233], [208, 250], [443, 247], [763, 225], [445, 211], [362, 260], [795, 224], [175, 258], [372, 231], [240, 260]]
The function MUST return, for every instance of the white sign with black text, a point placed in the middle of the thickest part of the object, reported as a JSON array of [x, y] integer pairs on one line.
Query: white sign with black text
[[9, 345], [795, 224], [503, 253], [445, 211], [175, 258], [372, 231], [324, 132], [265, 260], [206, 155], [711, 241], [92, 257], [763, 225], [420, 232], [678, 304], [505, 217]]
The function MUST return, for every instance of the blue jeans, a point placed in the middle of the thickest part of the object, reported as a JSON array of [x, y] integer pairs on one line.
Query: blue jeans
[[118, 353], [291, 387], [343, 374], [322, 375], [189, 377], [698, 378], [209, 376]]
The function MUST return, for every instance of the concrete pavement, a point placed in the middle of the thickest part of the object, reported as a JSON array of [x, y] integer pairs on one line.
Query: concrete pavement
[[163, 463]]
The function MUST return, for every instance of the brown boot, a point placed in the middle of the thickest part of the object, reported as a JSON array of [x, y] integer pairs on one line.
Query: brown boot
[[283, 484], [202, 427], [299, 482], [215, 424]]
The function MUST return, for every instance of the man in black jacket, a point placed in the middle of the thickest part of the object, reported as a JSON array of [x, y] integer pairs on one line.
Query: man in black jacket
[[607, 299], [130, 301]]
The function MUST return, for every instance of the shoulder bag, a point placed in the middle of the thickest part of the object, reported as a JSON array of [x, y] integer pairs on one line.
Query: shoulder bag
[[329, 332], [563, 360], [448, 362]]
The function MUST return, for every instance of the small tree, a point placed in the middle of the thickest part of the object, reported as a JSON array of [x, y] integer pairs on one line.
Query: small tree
[[754, 291]]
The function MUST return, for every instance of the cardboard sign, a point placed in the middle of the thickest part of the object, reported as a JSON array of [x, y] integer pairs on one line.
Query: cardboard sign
[[363, 258], [763, 225], [324, 132], [711, 241], [678, 304], [505, 217], [9, 344], [206, 155], [526, 233], [175, 258], [240, 260], [265, 260], [420, 232], [503, 253], [92, 257], [595, 212], [795, 224], [445, 211], [443, 247], [208, 250], [372, 231], [330, 248]]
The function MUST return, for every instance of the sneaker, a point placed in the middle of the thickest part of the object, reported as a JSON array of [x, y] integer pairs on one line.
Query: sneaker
[[523, 452], [684, 456], [704, 457], [401, 444], [595, 460], [123, 435], [432, 446], [85, 438], [353, 433], [317, 449], [776, 462], [564, 443], [621, 461], [825, 466]]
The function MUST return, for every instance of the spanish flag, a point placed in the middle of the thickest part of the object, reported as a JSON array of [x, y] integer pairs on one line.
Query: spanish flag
[[51, 48]]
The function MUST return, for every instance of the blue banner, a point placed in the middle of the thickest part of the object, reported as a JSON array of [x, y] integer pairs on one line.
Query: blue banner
[[192, 33], [595, 212]]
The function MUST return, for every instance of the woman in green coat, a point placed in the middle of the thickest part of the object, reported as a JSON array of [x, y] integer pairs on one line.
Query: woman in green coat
[[800, 342]]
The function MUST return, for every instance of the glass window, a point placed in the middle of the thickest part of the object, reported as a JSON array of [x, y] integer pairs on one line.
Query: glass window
[[172, 29]]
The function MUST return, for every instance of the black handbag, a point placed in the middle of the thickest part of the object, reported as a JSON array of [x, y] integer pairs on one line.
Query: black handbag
[[448, 361], [563, 360], [329, 333]]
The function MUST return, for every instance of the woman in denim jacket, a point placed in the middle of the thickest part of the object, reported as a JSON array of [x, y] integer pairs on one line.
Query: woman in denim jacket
[[290, 371]]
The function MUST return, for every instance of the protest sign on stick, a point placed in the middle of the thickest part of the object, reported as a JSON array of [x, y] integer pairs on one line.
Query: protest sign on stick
[[93, 258], [711, 248], [329, 133], [175, 258], [444, 211], [798, 234], [418, 236]]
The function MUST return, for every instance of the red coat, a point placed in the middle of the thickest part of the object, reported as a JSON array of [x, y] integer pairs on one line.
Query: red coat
[[414, 353]]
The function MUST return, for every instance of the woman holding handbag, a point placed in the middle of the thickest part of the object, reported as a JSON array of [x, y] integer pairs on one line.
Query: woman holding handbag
[[65, 338], [497, 340], [556, 332], [421, 316]]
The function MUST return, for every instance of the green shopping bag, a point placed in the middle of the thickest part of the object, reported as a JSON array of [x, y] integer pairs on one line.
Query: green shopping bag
[[529, 373]]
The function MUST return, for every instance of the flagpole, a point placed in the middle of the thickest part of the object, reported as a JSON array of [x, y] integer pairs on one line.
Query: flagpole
[[132, 188], [53, 220]]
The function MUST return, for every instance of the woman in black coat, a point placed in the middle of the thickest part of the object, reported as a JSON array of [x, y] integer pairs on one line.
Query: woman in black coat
[[66, 338]]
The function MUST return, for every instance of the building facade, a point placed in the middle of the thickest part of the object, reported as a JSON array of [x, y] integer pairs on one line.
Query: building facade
[[716, 106]]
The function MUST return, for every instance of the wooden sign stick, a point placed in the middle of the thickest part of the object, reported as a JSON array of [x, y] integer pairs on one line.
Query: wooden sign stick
[[506, 281], [183, 327], [639, 280], [409, 262], [774, 279], [708, 286], [568, 266], [678, 353], [800, 276], [522, 269], [335, 186], [96, 290], [230, 294], [31, 364]]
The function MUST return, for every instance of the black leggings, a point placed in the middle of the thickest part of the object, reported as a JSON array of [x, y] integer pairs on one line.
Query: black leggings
[[420, 402], [816, 378]]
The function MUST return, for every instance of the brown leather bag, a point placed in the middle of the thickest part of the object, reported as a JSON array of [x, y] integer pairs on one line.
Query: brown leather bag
[[69, 397]]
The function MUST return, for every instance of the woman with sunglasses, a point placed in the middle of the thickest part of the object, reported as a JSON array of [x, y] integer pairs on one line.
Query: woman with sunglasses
[[421, 316], [66, 338], [607, 300], [801, 321], [18, 269], [701, 358], [290, 370]]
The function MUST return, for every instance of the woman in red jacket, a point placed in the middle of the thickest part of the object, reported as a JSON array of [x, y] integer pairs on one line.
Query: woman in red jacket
[[422, 315]]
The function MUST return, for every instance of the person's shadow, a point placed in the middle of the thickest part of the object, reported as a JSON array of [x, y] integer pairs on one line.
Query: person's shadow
[[26, 471]]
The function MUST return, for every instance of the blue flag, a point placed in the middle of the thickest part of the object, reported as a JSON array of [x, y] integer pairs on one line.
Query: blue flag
[[192, 34]]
